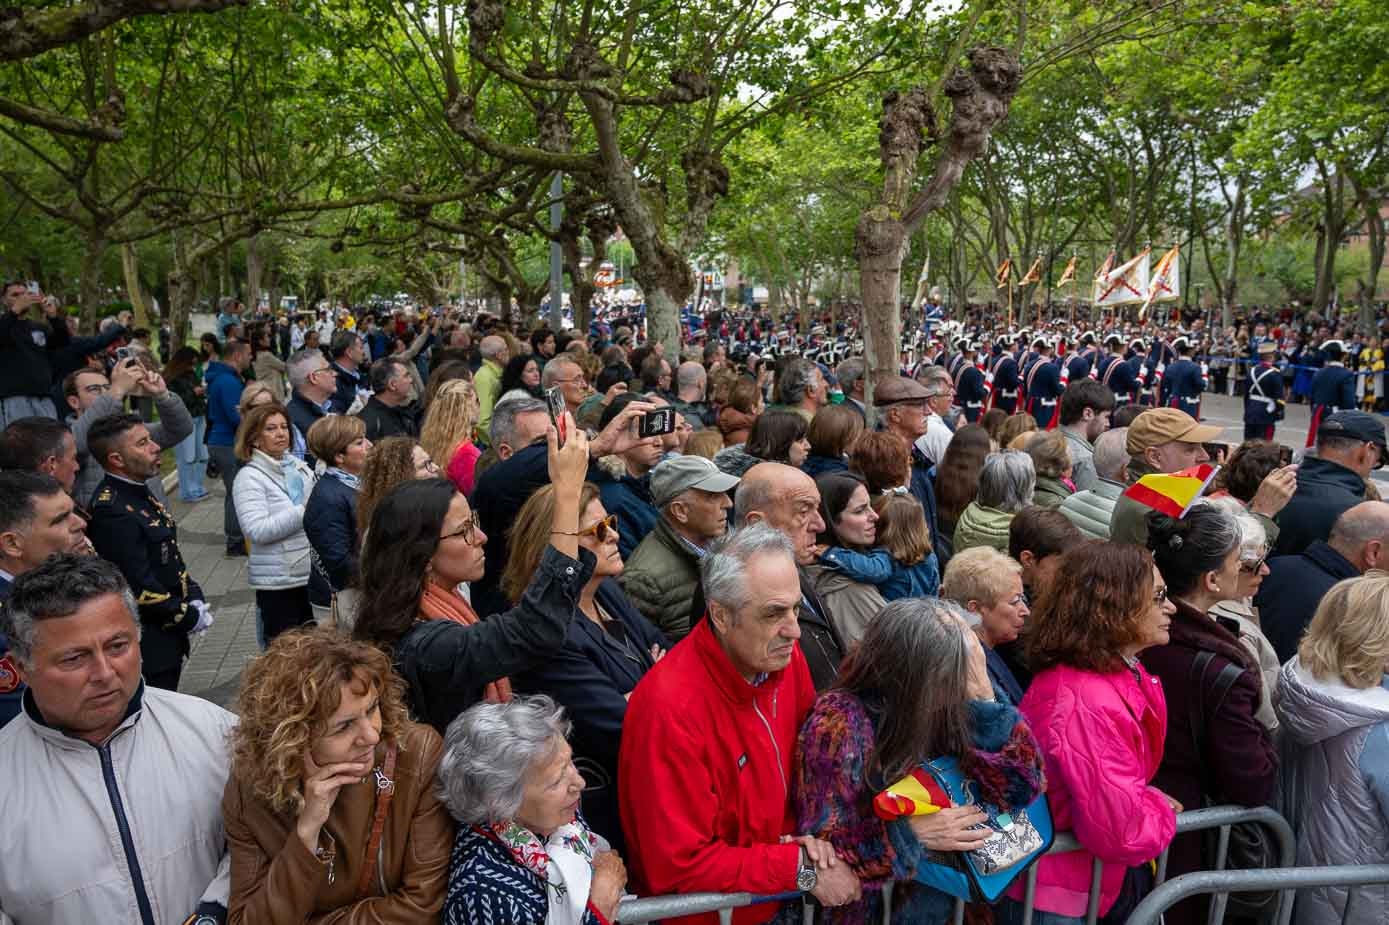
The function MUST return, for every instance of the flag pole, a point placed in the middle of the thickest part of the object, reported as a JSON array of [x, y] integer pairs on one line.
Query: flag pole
[[1010, 303]]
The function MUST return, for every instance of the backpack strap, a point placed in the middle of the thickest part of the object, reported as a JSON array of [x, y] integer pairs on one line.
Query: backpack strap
[[1196, 706]]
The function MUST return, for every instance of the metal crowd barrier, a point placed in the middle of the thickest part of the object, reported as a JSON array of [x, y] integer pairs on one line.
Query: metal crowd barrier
[[655, 908], [1150, 910]]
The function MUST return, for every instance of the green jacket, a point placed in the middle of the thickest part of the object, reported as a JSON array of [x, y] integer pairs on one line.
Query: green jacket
[[662, 579], [488, 385], [1091, 510], [1050, 492], [982, 526]]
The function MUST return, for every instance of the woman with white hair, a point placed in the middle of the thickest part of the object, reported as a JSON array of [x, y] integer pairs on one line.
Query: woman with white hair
[[1006, 485], [1253, 555], [523, 854], [988, 584], [1334, 708]]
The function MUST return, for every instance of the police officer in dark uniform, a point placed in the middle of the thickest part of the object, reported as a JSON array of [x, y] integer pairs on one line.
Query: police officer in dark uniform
[[1184, 381], [1333, 387], [1005, 382], [132, 530], [1044, 387], [1263, 394], [970, 390]]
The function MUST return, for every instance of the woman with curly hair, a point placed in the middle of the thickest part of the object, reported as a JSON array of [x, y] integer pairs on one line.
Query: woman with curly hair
[[447, 432], [325, 751], [390, 462], [1101, 722]]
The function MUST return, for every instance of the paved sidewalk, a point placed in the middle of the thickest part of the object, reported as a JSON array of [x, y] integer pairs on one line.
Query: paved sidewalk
[[214, 668]]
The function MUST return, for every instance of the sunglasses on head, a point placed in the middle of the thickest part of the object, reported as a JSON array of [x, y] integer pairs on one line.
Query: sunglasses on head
[[601, 529]]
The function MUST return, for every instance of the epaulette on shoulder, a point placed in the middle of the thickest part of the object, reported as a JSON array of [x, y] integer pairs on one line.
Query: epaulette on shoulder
[[104, 497]]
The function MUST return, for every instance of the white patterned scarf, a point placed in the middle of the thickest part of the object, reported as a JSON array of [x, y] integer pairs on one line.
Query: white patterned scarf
[[563, 862]]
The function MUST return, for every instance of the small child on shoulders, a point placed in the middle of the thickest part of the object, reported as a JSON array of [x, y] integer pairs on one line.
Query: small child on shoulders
[[903, 563]]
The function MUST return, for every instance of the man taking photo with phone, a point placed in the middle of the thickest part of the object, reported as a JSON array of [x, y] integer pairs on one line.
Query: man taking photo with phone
[[27, 346]]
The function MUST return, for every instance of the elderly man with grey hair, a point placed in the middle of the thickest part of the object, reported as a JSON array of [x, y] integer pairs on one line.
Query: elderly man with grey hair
[[1091, 510], [99, 754], [509, 780], [348, 351], [691, 380], [1006, 484], [940, 396], [488, 381], [311, 387], [852, 383], [802, 388], [713, 727]]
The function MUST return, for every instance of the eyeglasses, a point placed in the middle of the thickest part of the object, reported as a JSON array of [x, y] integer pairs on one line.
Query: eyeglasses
[[468, 531], [428, 467], [1252, 566], [1160, 595], [581, 380], [600, 530]]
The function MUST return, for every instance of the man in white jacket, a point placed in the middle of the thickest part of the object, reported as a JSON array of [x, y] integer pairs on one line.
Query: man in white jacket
[[112, 790]]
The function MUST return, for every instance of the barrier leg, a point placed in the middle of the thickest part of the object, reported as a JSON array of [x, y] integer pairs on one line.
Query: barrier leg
[[1092, 906], [1029, 895], [887, 903], [1161, 876], [959, 917], [1216, 914]]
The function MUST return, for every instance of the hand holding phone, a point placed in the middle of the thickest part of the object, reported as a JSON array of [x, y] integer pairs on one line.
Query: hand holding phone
[[656, 423], [554, 403]]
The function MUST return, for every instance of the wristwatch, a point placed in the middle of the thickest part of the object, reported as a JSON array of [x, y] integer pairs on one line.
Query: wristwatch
[[806, 878]]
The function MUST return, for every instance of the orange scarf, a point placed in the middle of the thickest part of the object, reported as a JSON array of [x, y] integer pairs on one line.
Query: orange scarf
[[439, 603]]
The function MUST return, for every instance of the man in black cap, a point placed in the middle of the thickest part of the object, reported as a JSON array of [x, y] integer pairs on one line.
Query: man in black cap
[[1350, 445], [1333, 388]]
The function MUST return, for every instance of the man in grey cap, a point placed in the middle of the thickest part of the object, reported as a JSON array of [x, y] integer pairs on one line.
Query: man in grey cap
[[1350, 445], [662, 575], [903, 407]]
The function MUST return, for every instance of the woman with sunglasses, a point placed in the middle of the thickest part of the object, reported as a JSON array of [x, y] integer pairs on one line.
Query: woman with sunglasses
[[1217, 751], [608, 648], [422, 544]]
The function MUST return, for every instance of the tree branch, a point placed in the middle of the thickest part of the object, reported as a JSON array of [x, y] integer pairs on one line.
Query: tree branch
[[24, 34]]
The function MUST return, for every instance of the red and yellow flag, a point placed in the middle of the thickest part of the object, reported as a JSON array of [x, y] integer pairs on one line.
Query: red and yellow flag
[[1005, 270], [1034, 274], [1069, 274], [917, 794], [1173, 493]]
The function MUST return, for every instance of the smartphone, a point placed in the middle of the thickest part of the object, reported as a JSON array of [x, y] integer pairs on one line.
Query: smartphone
[[1218, 452], [656, 423], [554, 402], [34, 286], [1285, 455], [124, 353]]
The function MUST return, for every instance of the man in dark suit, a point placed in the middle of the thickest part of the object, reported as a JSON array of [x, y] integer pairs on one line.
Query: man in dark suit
[[38, 519]]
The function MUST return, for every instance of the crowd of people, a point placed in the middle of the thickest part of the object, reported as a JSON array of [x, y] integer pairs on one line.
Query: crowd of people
[[550, 618]]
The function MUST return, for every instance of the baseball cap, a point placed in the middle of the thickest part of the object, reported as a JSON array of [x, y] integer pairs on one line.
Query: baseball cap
[[1157, 426], [898, 389], [1356, 425], [681, 473]]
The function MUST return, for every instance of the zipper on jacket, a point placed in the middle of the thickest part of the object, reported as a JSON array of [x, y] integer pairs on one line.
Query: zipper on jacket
[[785, 784], [108, 774]]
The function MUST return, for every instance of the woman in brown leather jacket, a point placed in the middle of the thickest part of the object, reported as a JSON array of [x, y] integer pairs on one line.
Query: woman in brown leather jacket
[[330, 806]]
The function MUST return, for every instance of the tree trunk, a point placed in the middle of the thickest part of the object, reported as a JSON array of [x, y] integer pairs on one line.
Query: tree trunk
[[92, 295], [183, 290], [255, 273], [130, 267]]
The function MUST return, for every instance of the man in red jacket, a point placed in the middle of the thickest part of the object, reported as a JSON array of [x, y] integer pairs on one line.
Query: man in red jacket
[[707, 744]]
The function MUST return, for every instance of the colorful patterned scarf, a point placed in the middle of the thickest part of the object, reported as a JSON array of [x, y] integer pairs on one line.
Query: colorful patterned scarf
[[563, 862]]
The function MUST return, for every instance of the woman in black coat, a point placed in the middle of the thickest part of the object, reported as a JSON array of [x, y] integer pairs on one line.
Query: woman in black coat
[[330, 517], [608, 647]]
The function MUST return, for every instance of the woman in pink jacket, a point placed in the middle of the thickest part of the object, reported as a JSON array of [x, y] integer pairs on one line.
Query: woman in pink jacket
[[1100, 721]]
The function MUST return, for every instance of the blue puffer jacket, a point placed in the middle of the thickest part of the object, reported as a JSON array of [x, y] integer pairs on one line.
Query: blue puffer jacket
[[224, 386], [630, 499]]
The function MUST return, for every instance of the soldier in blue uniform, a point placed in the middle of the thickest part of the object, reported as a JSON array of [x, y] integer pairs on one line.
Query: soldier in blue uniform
[[1333, 387], [1263, 394], [1081, 362], [1160, 354], [1005, 382], [1117, 373], [970, 390], [1044, 387], [1184, 381], [132, 530]]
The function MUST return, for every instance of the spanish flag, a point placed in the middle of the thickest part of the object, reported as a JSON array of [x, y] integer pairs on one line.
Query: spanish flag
[[1034, 274], [1005, 270], [917, 794], [1173, 493]]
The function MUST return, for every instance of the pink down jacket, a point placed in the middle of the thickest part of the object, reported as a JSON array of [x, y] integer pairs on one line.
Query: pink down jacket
[[1102, 737]]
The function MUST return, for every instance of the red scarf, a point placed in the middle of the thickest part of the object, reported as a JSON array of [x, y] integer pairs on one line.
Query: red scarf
[[440, 603]]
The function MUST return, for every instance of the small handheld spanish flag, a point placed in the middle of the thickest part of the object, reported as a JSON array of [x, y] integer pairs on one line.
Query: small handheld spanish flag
[[917, 794], [1173, 493]]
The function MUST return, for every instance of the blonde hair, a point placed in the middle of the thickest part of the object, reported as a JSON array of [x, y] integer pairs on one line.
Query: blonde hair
[[979, 573], [902, 528], [1050, 454], [249, 394], [530, 534], [252, 423], [450, 420], [288, 695], [704, 443], [1016, 426], [1348, 639], [331, 435]]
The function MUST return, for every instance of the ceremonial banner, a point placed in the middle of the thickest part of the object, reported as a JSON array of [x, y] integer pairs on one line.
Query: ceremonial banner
[[1165, 281], [1124, 285], [923, 284], [1068, 275], [1034, 274], [1005, 271], [1104, 269]]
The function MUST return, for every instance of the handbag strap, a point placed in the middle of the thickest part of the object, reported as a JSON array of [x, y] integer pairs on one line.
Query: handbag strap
[[1196, 705], [385, 789]]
